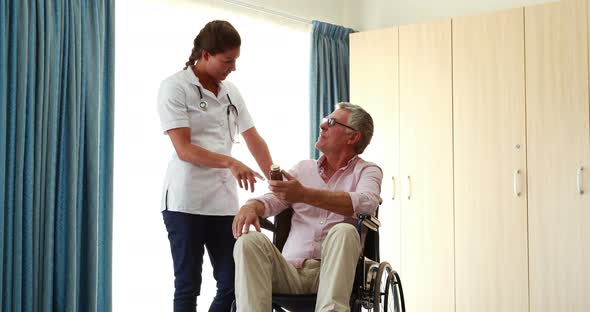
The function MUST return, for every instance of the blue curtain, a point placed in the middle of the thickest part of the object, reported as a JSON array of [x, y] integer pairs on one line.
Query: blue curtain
[[330, 79], [56, 158]]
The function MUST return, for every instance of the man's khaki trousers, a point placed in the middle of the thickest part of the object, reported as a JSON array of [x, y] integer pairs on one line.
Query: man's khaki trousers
[[262, 270]]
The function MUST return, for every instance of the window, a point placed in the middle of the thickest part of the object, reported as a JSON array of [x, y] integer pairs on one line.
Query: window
[[154, 40]]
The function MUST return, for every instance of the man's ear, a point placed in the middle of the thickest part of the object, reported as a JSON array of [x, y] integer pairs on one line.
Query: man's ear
[[355, 137]]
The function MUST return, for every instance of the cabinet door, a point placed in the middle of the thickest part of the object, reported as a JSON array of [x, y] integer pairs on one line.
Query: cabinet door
[[557, 147], [426, 165], [374, 86], [490, 163]]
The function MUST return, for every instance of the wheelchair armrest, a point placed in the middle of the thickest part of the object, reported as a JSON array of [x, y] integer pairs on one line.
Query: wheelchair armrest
[[369, 221], [266, 224]]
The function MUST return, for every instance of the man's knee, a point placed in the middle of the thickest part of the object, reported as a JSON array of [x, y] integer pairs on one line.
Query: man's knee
[[249, 241], [343, 235], [344, 230]]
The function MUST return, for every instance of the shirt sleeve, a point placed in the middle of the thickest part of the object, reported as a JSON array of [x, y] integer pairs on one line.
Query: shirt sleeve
[[366, 198], [172, 106], [272, 205]]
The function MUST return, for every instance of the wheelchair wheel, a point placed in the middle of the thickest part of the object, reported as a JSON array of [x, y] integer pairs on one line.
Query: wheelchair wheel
[[365, 299], [387, 290]]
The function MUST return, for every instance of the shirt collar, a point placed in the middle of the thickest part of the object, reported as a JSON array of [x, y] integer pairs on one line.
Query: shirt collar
[[322, 160], [189, 76]]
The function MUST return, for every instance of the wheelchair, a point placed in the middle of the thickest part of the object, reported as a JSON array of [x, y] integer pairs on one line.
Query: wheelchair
[[377, 286]]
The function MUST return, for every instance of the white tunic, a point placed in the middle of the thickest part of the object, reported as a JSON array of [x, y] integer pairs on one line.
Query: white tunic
[[193, 188]]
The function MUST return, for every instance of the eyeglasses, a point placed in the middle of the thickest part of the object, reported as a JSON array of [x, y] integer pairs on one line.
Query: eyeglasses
[[331, 122]]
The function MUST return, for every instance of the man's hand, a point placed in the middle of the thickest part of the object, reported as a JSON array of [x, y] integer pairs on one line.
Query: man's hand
[[291, 190], [246, 216]]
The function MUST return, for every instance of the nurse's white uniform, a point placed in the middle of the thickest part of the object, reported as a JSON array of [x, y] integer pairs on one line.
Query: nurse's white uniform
[[191, 188]]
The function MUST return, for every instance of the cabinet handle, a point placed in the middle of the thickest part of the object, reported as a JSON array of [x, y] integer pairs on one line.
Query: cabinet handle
[[393, 180], [516, 182], [409, 188], [580, 171]]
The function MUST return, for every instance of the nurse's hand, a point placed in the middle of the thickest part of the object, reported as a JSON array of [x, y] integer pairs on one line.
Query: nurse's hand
[[246, 216], [244, 175]]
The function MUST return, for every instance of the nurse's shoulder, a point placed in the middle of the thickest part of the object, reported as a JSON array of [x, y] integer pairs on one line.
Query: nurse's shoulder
[[176, 80], [176, 87]]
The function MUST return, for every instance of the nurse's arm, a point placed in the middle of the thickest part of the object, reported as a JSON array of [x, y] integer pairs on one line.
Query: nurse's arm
[[186, 151], [258, 149]]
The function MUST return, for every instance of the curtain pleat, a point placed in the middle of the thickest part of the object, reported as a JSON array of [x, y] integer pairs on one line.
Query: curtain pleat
[[56, 139], [329, 76]]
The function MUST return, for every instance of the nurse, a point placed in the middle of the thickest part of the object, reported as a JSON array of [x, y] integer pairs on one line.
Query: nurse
[[204, 115]]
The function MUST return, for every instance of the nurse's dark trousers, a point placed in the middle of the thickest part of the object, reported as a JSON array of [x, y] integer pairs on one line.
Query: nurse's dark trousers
[[189, 235]]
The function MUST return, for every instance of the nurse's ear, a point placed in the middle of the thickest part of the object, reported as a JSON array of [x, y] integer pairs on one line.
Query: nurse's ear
[[205, 55]]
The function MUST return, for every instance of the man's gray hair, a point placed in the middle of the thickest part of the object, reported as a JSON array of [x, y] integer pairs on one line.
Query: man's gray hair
[[361, 121]]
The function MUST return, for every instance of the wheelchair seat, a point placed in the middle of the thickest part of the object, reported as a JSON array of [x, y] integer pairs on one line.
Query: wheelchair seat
[[377, 287]]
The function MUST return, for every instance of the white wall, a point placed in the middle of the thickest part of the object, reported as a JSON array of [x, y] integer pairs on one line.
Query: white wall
[[373, 14], [339, 12]]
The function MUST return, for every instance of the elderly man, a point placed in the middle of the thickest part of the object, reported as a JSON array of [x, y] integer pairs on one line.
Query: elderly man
[[326, 195]]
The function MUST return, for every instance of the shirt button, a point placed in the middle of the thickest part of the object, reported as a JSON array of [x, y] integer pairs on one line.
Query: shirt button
[[322, 222]]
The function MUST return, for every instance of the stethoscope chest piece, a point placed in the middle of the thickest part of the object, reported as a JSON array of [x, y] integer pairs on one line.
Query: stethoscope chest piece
[[202, 105]]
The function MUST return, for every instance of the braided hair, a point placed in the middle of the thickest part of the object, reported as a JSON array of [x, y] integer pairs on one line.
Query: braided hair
[[215, 37]]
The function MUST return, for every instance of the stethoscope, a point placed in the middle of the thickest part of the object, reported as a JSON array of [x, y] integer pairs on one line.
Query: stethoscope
[[203, 105]]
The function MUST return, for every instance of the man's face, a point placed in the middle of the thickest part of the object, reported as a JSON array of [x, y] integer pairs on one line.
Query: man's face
[[220, 65], [337, 137]]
